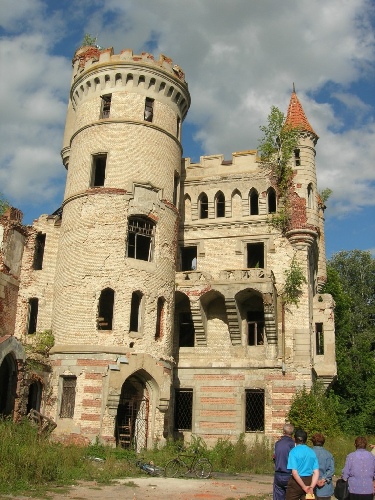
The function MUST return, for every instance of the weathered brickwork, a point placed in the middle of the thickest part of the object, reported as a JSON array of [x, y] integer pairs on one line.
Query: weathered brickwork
[[161, 278]]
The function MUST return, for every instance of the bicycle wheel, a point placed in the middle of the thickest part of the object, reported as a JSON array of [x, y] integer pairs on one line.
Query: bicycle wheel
[[203, 468], [174, 468]]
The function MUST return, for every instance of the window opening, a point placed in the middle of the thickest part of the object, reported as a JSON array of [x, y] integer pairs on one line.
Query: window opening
[[271, 198], [188, 258], [159, 319], [176, 186], [149, 109], [68, 397], [33, 315], [309, 196], [40, 242], [183, 410], [34, 397], [140, 239], [99, 168], [297, 157], [254, 413], [105, 309], [255, 322], [106, 105], [203, 207], [178, 127], [319, 336], [187, 332], [135, 312], [255, 255], [254, 202], [220, 205]]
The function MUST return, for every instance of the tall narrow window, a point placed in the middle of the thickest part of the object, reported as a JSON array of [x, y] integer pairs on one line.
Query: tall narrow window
[[297, 157], [33, 315], [135, 312], [149, 109], [187, 332], [255, 255], [183, 410], [176, 186], [178, 127], [40, 242], [68, 397], [220, 204], [319, 338], [159, 319], [99, 163], [271, 201], [106, 105], [310, 199], [254, 202], [255, 324], [105, 309], [140, 238], [203, 206], [189, 258], [254, 411]]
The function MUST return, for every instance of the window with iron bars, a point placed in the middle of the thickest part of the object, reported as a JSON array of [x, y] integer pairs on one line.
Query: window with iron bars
[[254, 410], [140, 238], [183, 410], [106, 105]]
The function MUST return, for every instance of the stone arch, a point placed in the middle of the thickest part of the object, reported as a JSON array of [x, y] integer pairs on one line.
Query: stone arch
[[34, 398], [215, 318], [236, 204], [251, 311], [8, 384]]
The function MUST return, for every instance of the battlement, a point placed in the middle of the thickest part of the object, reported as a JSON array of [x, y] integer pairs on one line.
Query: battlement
[[88, 56], [242, 161]]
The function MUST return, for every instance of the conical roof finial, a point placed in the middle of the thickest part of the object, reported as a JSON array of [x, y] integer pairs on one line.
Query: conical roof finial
[[294, 89]]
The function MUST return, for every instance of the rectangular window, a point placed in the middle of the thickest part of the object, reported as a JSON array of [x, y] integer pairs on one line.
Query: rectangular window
[[141, 234], [255, 322], [40, 242], [33, 315], [149, 109], [254, 410], [106, 105], [297, 157], [319, 338], [183, 410], [255, 255], [68, 397], [188, 258], [99, 163]]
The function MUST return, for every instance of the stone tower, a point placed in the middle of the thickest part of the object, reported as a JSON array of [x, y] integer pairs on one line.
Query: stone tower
[[118, 233]]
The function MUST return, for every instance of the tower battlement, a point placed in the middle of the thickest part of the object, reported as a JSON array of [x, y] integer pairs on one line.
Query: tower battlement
[[88, 56]]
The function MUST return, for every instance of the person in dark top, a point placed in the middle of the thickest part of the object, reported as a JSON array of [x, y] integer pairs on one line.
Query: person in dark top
[[282, 474]]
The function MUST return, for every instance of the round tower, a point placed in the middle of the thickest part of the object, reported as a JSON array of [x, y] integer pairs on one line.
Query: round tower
[[115, 277]]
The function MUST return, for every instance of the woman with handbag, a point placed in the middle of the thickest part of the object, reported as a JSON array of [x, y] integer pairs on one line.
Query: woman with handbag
[[359, 471]]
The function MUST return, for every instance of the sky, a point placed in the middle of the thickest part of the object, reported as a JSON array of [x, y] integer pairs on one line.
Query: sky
[[240, 58]]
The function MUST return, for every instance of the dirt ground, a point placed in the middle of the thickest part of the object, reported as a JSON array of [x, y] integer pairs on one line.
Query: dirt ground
[[218, 487]]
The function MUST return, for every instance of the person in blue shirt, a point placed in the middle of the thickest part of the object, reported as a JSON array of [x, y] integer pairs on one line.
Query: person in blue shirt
[[281, 454], [324, 487], [304, 464]]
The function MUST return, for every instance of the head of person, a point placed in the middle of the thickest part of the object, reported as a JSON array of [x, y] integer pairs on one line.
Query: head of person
[[300, 436], [318, 439], [360, 442], [288, 430]]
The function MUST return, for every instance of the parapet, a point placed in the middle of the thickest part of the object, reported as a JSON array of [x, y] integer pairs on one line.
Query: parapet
[[88, 56], [242, 161]]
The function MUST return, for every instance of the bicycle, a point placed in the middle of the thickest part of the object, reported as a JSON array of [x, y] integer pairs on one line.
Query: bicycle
[[184, 464]]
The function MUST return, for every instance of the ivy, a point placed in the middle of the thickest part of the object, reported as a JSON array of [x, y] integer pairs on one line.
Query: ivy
[[294, 279]]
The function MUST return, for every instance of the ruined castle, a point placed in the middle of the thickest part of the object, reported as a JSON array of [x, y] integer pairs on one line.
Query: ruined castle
[[161, 279]]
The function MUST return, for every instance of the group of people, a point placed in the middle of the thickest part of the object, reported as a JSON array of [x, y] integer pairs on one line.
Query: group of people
[[303, 472]]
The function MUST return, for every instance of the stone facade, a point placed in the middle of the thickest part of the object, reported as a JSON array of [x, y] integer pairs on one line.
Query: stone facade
[[161, 278]]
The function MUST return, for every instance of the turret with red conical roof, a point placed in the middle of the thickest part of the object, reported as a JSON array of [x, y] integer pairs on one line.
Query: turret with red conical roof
[[296, 117]]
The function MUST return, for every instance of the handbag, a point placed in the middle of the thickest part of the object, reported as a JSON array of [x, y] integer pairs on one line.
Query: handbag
[[341, 490]]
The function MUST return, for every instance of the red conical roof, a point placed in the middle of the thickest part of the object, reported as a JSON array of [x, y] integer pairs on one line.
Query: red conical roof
[[296, 117]]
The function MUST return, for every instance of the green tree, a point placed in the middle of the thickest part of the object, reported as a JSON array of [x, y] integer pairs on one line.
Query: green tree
[[4, 204], [351, 281]]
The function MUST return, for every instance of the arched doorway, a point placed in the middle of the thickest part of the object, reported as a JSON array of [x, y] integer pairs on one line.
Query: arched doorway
[[133, 415], [35, 396], [8, 383]]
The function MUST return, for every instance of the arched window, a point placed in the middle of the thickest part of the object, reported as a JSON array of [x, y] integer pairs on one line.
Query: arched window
[[310, 196], [105, 309], [220, 204], [135, 312], [203, 206], [254, 202], [141, 232], [271, 201]]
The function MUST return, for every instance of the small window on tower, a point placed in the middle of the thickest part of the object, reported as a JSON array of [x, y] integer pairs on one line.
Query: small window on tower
[[40, 242], [106, 105], [135, 312], [105, 309], [140, 238], [149, 109], [99, 164], [297, 157], [33, 315]]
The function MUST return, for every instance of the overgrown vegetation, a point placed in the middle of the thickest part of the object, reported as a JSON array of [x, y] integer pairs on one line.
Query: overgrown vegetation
[[37, 348], [88, 39], [294, 279], [276, 149], [4, 204]]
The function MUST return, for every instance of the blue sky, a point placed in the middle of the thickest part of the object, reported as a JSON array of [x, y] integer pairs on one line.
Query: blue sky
[[240, 58]]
